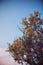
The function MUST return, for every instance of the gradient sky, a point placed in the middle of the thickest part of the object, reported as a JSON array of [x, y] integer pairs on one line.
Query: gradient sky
[[11, 13]]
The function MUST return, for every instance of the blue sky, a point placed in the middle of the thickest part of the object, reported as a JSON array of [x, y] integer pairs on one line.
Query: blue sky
[[11, 13]]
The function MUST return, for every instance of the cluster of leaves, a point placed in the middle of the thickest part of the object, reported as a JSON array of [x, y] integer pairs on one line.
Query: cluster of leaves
[[29, 47]]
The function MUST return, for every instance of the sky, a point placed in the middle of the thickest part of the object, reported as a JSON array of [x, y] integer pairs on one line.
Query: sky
[[11, 14]]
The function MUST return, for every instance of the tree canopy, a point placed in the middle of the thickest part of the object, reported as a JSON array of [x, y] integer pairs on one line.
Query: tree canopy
[[29, 47]]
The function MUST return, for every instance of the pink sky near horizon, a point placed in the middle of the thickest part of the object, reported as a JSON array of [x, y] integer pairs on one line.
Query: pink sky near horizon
[[5, 59]]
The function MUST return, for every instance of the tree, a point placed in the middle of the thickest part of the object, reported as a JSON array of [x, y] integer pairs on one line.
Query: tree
[[29, 47]]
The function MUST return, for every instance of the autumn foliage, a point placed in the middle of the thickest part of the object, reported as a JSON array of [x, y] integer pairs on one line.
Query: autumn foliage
[[29, 47]]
